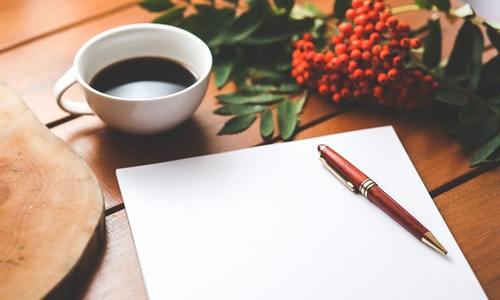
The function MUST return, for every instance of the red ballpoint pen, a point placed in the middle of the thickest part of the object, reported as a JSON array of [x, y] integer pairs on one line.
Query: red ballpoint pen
[[357, 181]]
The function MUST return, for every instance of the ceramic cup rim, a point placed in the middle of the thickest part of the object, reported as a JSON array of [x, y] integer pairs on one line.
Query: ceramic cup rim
[[148, 26]]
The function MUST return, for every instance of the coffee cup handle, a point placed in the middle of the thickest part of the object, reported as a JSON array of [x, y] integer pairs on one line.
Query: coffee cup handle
[[72, 107]]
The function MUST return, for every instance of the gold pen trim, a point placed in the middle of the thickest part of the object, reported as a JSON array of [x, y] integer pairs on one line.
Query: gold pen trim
[[430, 240], [339, 176]]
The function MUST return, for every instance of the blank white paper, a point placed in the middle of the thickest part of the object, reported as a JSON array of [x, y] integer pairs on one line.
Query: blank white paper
[[271, 222]]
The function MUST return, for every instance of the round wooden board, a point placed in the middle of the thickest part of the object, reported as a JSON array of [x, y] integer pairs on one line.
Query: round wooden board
[[51, 208]]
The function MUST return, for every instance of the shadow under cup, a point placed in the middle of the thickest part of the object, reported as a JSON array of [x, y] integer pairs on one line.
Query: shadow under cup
[[147, 115]]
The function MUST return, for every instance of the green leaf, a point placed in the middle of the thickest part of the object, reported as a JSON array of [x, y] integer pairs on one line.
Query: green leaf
[[239, 109], [451, 95], [442, 5], [266, 74], [278, 29], [247, 98], [156, 5], [271, 88], [222, 70], [237, 124], [208, 22], [486, 150], [266, 124], [340, 7], [462, 50], [287, 119], [425, 4], [243, 27], [476, 57], [305, 10], [432, 44], [475, 112], [171, 16], [285, 4], [478, 134], [233, 2], [494, 36], [299, 104]]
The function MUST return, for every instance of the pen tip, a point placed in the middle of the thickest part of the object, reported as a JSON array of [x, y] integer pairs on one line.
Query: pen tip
[[430, 240], [321, 147]]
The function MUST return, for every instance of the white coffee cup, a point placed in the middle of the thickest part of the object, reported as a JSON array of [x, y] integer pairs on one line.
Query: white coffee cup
[[145, 115]]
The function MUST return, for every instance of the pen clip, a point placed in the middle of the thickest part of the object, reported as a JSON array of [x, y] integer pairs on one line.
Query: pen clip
[[339, 176]]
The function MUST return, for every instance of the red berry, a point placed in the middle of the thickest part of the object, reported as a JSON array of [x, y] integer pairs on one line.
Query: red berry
[[416, 43], [368, 73], [359, 30], [392, 73], [336, 97], [356, 54], [295, 72], [318, 57], [378, 91], [403, 26], [361, 19], [310, 55], [355, 44], [366, 44], [356, 3], [368, 28], [337, 39], [345, 93], [373, 15], [334, 77], [382, 78], [366, 55], [384, 54], [300, 80], [343, 58], [405, 42], [352, 65], [396, 61], [307, 36], [323, 89], [380, 26], [340, 48], [333, 89], [379, 6], [375, 37], [376, 49], [428, 78], [328, 56], [350, 14], [357, 73], [392, 21], [345, 27]]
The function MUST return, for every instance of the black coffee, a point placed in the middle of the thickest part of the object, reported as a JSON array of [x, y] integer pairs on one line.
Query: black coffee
[[143, 77]]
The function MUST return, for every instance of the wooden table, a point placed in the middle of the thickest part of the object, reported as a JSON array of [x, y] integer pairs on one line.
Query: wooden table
[[39, 39]]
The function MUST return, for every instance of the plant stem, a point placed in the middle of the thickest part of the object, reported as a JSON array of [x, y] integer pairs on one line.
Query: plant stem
[[404, 8]]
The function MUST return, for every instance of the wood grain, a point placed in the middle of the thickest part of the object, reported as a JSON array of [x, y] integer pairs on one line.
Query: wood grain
[[472, 212], [51, 208], [34, 68], [118, 273], [35, 18]]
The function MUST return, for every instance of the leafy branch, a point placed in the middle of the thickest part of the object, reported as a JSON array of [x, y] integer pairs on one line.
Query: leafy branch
[[251, 45], [252, 50]]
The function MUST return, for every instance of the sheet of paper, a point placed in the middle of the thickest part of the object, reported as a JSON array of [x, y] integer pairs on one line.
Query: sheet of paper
[[270, 222]]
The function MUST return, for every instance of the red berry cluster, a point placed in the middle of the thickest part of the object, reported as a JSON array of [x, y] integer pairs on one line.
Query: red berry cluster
[[364, 60]]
